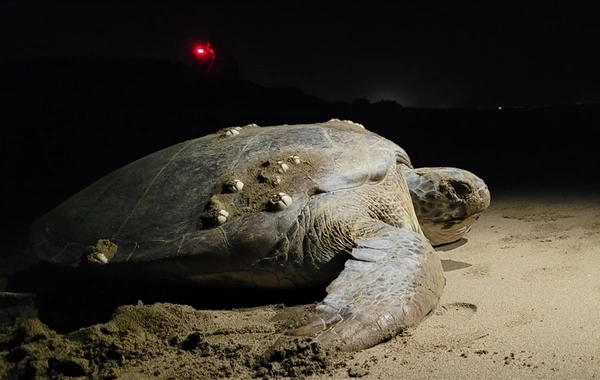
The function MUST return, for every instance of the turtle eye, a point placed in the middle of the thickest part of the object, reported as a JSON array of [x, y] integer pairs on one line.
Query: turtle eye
[[460, 188]]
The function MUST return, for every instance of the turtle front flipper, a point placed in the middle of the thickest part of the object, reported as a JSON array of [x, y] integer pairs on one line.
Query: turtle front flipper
[[392, 282]]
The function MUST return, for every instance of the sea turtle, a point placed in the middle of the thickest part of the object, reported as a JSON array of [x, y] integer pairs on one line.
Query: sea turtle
[[286, 206]]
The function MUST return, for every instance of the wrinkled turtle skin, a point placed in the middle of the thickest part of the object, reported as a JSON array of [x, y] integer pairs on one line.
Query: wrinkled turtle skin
[[289, 206]]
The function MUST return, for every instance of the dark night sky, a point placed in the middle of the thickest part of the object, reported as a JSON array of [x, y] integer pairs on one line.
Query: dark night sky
[[424, 54]]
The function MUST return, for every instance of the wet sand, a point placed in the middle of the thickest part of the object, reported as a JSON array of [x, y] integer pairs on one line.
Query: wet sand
[[521, 301]]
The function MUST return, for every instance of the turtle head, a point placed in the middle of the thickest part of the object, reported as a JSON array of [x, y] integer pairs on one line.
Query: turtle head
[[447, 201]]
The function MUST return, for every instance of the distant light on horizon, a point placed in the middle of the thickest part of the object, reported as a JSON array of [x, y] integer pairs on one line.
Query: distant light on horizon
[[392, 94]]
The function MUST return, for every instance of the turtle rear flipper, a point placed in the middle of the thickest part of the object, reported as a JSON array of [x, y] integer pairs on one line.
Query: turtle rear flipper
[[393, 281], [8, 299]]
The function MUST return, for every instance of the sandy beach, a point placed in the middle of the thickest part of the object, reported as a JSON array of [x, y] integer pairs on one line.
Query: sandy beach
[[521, 302]]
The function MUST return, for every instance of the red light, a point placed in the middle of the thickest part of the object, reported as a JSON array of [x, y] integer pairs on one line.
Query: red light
[[203, 55]]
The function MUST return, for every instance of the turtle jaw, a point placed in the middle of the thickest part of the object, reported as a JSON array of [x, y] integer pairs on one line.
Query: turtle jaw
[[440, 232]]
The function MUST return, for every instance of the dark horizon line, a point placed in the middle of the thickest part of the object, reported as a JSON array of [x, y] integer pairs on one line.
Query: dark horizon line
[[179, 61]]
